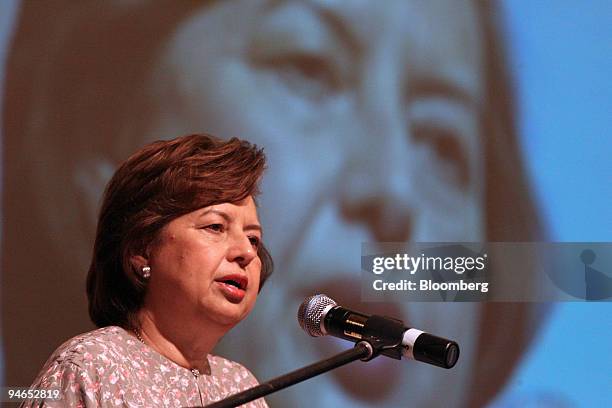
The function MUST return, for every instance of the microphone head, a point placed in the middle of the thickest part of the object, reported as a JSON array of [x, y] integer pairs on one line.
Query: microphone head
[[311, 313]]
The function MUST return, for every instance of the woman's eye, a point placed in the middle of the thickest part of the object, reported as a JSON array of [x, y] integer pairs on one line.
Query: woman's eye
[[254, 241], [448, 149], [215, 227]]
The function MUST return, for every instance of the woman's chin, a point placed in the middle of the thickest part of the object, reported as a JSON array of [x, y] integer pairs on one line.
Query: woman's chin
[[226, 313]]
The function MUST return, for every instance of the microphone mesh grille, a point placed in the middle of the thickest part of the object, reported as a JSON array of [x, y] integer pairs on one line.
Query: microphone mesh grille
[[311, 312]]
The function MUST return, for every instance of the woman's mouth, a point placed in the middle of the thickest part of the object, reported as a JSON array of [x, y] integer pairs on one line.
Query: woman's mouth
[[233, 287]]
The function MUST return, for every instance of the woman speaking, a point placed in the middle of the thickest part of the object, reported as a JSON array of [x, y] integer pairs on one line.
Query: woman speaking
[[178, 260]]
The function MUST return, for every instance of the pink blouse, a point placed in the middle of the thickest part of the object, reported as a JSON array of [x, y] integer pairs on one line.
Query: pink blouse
[[110, 368]]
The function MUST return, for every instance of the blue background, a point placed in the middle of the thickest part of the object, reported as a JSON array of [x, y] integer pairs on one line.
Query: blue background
[[562, 62]]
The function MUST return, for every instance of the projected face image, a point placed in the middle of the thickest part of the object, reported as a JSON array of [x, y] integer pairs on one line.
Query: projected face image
[[370, 119]]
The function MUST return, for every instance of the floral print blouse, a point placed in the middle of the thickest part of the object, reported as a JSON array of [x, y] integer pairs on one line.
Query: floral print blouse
[[110, 368]]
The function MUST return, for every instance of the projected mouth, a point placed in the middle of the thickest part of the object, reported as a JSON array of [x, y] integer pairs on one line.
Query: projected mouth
[[368, 381]]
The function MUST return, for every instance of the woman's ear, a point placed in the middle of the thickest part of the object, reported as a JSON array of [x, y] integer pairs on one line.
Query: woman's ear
[[139, 265]]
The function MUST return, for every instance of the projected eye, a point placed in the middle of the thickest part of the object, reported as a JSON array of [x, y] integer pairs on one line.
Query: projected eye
[[307, 75], [448, 149]]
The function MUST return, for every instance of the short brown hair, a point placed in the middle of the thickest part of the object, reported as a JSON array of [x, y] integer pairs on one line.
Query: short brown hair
[[158, 183]]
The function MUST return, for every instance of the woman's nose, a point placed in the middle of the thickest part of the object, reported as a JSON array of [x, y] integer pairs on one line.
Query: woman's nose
[[241, 250], [377, 189]]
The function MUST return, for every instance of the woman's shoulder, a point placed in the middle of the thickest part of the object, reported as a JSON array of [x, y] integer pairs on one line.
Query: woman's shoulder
[[85, 358], [100, 361], [104, 343]]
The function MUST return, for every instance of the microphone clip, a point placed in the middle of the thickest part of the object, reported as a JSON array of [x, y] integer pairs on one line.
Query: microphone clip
[[384, 335]]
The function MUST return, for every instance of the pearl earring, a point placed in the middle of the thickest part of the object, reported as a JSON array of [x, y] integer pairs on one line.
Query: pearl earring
[[146, 272]]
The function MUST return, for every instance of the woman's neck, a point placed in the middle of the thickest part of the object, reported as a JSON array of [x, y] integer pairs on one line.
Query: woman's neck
[[187, 346]]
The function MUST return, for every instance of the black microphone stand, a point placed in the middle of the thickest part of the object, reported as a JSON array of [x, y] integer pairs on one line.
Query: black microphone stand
[[363, 350]]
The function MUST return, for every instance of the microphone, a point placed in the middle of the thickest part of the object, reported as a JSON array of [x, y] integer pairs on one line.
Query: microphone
[[319, 315]]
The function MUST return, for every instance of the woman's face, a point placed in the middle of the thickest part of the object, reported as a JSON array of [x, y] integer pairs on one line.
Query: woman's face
[[369, 115], [204, 265]]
